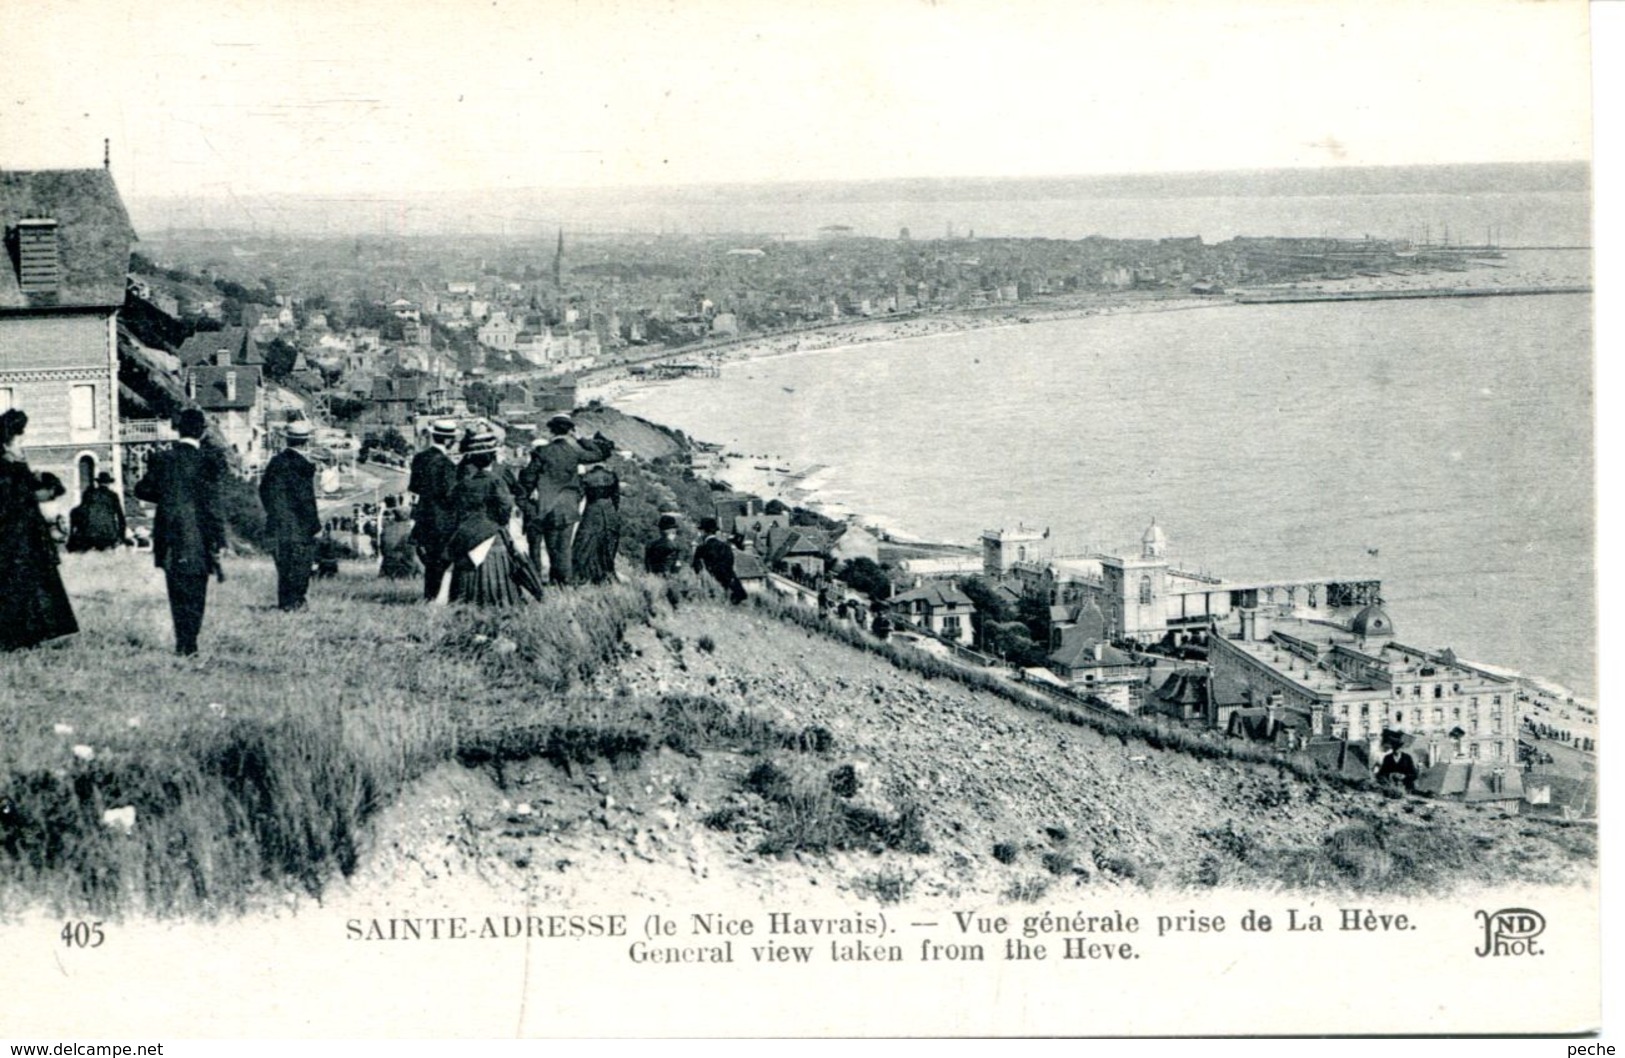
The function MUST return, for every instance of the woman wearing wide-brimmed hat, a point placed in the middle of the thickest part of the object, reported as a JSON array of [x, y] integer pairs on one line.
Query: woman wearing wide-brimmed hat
[[480, 553], [34, 606]]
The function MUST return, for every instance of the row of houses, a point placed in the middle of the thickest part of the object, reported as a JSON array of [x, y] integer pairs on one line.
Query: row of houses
[[1313, 668]]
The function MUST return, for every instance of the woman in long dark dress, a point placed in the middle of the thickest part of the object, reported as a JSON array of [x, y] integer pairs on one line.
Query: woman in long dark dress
[[599, 534], [481, 563], [34, 606]]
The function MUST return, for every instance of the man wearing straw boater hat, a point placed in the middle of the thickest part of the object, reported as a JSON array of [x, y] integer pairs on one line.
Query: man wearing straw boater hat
[[288, 494], [551, 495], [433, 476]]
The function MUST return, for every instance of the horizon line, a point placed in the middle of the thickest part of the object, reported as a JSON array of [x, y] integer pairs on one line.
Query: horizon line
[[226, 191]]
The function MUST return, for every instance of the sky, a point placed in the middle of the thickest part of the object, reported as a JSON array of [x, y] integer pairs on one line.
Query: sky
[[222, 97]]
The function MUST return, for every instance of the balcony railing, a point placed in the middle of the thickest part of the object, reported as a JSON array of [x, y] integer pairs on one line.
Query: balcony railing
[[144, 431]]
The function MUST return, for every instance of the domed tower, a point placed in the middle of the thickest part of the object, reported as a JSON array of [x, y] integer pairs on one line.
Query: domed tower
[[1134, 596], [1372, 623], [1154, 544]]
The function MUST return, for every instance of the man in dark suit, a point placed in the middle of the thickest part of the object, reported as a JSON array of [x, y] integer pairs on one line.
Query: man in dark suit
[[97, 524], [189, 530], [551, 495], [716, 557], [1397, 767], [434, 475], [663, 555], [288, 494]]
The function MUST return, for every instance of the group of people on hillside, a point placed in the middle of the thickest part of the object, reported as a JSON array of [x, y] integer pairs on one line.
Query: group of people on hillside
[[571, 521], [34, 606], [457, 534], [188, 534]]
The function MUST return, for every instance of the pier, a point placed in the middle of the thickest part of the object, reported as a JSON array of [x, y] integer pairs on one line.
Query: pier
[[1274, 297]]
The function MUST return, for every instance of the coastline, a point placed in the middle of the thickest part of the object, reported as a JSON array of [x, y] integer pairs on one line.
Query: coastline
[[618, 383], [1524, 273], [771, 476]]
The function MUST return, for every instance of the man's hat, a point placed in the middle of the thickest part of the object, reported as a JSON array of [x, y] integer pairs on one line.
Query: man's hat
[[446, 428], [104, 478], [192, 423], [481, 443], [668, 521], [299, 432], [1392, 739], [561, 424], [708, 525]]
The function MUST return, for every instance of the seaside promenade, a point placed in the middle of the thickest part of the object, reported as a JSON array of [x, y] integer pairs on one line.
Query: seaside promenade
[[1522, 273]]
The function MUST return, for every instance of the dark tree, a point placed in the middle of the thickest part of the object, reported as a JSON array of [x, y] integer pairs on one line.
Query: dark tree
[[346, 409], [868, 576], [280, 356], [482, 398], [1009, 640], [1034, 613]]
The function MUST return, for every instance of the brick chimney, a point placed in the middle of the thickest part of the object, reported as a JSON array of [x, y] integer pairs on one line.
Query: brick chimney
[[38, 270]]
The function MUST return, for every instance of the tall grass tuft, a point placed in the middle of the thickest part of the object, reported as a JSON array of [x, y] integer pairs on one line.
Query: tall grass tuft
[[261, 762]]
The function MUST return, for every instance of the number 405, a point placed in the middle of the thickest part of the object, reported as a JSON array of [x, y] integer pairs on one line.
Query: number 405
[[82, 934]]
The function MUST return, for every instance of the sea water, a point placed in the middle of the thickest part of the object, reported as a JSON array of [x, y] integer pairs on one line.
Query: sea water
[[1443, 446]]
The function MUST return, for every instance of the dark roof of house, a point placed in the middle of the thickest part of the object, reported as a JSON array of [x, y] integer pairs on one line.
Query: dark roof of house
[[202, 347], [1184, 687], [93, 236], [1078, 651], [795, 540], [1351, 759], [1577, 793], [759, 522], [1470, 780], [934, 595], [748, 567], [211, 387], [1255, 722]]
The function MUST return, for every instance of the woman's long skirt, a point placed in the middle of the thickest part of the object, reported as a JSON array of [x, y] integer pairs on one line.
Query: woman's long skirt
[[490, 583], [597, 538], [34, 606]]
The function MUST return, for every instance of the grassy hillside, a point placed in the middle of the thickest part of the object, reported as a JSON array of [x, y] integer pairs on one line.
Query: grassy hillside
[[645, 722]]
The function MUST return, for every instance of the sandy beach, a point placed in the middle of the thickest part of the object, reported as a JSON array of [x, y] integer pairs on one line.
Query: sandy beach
[[611, 384], [770, 476], [1518, 271]]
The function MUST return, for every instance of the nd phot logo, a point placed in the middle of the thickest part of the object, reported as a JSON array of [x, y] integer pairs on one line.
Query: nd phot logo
[[1510, 931]]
